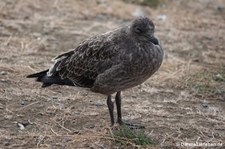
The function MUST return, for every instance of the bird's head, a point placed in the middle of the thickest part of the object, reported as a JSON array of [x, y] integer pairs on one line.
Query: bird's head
[[144, 29]]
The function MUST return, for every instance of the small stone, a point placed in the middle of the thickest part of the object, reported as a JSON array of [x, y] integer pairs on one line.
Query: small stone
[[54, 97], [74, 132], [23, 103], [77, 113], [21, 126], [3, 73], [196, 60], [8, 117], [7, 142], [162, 17], [1, 106], [90, 126], [205, 105], [3, 80], [219, 77], [220, 8]]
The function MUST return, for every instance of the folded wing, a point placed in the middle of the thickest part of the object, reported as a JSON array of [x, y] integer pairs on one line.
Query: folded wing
[[86, 62]]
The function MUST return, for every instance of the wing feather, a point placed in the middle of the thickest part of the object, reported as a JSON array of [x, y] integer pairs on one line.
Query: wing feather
[[90, 58]]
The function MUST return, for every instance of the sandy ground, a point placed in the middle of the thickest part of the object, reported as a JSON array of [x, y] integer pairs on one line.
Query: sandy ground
[[183, 102]]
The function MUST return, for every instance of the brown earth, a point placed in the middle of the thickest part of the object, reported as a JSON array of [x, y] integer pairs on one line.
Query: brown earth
[[183, 102]]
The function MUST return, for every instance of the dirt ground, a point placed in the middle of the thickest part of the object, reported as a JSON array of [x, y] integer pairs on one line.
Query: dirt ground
[[183, 102]]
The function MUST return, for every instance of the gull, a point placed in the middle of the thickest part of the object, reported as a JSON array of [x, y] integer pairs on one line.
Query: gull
[[109, 63]]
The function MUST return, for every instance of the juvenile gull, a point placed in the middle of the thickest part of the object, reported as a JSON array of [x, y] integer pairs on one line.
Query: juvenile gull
[[109, 63]]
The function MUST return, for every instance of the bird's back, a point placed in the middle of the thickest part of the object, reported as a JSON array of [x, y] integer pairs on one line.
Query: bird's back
[[91, 58]]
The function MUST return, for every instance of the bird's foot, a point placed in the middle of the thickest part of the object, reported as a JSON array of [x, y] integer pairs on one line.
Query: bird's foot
[[132, 126]]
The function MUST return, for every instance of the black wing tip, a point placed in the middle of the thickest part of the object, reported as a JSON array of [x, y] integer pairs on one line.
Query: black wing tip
[[36, 75], [31, 76]]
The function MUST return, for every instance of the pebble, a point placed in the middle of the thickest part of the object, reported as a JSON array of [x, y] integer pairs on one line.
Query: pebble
[[205, 105], [7, 142], [162, 17], [221, 8], [219, 77], [8, 117], [54, 97], [3, 73], [90, 126], [1, 106], [21, 126], [23, 103], [3, 80]]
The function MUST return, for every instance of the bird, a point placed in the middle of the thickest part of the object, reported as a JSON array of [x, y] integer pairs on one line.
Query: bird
[[109, 63]]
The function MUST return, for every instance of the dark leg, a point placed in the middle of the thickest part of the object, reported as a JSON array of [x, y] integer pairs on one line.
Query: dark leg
[[118, 107], [119, 114], [110, 105]]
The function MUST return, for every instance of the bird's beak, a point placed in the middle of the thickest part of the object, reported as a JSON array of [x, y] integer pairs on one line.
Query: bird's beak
[[154, 40]]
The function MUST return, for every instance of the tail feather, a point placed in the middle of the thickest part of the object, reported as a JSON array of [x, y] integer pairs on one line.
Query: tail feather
[[37, 75], [47, 81]]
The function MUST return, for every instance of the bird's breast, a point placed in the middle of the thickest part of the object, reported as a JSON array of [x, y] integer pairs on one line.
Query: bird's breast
[[145, 61]]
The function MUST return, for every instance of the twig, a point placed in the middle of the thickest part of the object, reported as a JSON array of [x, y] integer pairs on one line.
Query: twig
[[161, 144], [64, 127], [110, 131], [41, 139], [54, 132], [27, 106]]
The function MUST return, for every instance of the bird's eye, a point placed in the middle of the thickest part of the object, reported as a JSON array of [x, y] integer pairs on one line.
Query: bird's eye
[[137, 29]]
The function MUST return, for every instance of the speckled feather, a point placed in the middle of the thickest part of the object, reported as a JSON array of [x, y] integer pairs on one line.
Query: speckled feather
[[112, 61], [82, 65]]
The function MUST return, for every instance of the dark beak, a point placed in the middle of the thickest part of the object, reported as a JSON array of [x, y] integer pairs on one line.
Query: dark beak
[[154, 40]]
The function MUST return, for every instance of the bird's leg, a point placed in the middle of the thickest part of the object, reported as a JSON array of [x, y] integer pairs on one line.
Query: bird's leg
[[118, 107], [110, 105], [119, 114]]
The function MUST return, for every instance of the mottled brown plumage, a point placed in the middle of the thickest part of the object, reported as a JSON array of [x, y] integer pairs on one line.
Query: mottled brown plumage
[[109, 62]]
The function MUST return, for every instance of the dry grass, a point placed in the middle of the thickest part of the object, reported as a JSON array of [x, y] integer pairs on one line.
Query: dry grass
[[182, 102], [207, 84], [149, 3]]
